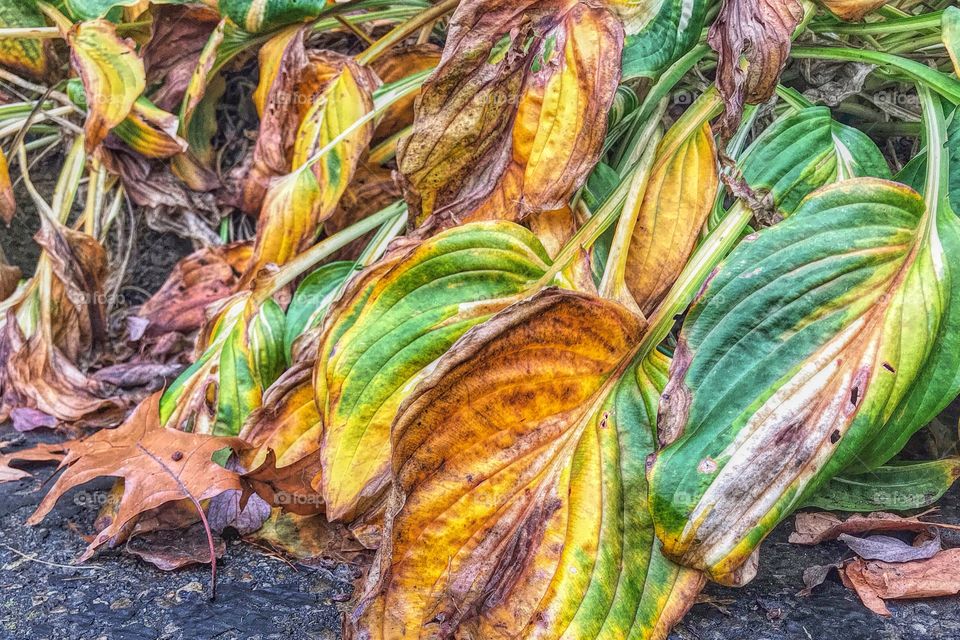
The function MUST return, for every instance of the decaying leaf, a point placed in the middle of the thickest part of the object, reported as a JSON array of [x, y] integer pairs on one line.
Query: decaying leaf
[[112, 73], [337, 92], [156, 465], [519, 482], [761, 31], [876, 581], [512, 79], [197, 282], [172, 549], [890, 549], [815, 527]]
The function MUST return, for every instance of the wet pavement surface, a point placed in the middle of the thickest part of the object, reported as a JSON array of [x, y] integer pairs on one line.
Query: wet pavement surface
[[260, 596]]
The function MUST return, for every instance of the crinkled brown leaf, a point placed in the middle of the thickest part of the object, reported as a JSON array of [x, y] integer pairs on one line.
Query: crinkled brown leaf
[[309, 539], [294, 488], [814, 527], [157, 466], [178, 35], [196, 282], [759, 30], [890, 549], [371, 189], [876, 581]]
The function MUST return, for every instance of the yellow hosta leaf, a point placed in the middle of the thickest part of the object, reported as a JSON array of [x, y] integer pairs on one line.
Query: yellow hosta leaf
[[558, 132], [675, 204], [112, 74], [519, 504], [151, 131]]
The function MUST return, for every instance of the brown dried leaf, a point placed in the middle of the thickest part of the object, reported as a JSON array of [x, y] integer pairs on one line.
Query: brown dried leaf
[[179, 34], [38, 453], [294, 488], [38, 375], [169, 549], [196, 282], [876, 581], [815, 527], [852, 10], [309, 539], [157, 466], [890, 549], [759, 30]]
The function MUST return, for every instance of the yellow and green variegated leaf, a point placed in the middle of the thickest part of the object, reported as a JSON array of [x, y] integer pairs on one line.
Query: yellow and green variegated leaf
[[242, 356], [658, 32], [805, 150], [895, 487], [29, 56], [112, 74], [800, 351], [519, 499], [148, 130], [93, 9], [399, 318], [255, 16], [326, 150], [312, 299]]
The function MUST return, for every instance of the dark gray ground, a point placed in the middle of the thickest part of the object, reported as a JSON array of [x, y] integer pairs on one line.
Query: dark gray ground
[[260, 596]]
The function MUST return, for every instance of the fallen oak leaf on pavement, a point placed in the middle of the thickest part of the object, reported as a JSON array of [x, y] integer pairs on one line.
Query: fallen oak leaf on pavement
[[876, 581], [157, 466]]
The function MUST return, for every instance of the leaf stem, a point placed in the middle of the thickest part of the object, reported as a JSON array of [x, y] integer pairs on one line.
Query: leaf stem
[[408, 28], [943, 84]]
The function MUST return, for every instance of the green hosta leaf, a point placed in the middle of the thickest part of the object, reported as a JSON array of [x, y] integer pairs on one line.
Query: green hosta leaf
[[913, 172], [25, 55], [658, 32], [894, 487], [255, 16], [312, 299], [808, 339], [519, 496], [93, 9], [805, 150], [400, 317]]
